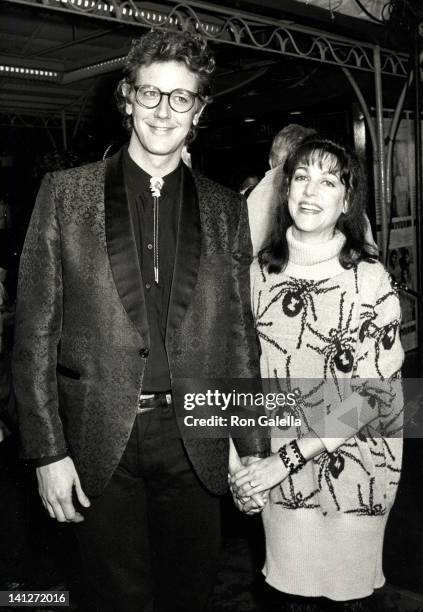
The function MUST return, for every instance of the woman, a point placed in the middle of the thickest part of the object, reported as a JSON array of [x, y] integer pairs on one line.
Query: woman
[[325, 309]]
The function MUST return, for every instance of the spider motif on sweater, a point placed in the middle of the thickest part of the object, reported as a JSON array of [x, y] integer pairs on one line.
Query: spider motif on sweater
[[369, 508], [383, 336], [297, 499], [302, 407], [338, 347], [331, 465], [297, 297]]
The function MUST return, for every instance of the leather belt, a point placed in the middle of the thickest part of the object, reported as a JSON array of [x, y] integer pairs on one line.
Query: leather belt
[[150, 401]]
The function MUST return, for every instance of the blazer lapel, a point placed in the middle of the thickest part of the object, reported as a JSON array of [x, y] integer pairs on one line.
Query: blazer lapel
[[188, 251], [121, 246]]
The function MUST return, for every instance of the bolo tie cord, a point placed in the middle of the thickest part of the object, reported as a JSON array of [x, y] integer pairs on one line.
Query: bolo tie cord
[[156, 184], [156, 239]]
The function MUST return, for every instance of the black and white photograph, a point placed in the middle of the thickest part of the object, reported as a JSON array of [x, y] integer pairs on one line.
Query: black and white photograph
[[211, 305]]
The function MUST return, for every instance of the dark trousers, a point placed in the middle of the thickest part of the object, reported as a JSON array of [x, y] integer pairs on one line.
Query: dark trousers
[[151, 540], [13, 536]]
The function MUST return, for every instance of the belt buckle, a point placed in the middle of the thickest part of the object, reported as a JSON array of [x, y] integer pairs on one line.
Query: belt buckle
[[150, 396], [145, 396]]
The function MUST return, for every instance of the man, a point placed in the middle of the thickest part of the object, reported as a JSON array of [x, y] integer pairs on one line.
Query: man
[[135, 277], [263, 199]]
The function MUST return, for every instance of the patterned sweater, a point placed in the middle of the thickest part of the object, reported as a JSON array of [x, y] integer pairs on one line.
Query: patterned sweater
[[331, 336]]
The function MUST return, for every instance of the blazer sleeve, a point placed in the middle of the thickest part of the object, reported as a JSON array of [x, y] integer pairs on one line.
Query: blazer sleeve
[[256, 440], [38, 330]]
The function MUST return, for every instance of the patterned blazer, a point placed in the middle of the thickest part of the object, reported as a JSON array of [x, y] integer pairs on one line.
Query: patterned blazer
[[82, 336]]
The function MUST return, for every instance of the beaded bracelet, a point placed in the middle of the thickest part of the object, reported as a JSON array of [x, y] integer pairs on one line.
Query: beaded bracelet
[[292, 457]]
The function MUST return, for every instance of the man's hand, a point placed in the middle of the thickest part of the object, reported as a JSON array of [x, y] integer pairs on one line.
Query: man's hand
[[248, 505], [55, 486], [258, 476]]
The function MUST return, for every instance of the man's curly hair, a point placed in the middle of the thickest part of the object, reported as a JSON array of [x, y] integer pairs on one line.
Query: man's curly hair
[[166, 46]]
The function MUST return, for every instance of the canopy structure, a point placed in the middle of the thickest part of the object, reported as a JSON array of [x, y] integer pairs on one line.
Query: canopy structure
[[68, 41], [55, 54]]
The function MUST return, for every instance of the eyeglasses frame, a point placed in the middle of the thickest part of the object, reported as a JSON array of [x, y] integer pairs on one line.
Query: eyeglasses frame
[[168, 94]]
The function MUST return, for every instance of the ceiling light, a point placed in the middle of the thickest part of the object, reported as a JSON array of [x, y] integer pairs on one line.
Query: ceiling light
[[26, 71]]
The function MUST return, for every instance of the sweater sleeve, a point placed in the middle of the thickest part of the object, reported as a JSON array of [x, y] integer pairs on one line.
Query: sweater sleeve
[[253, 270], [375, 398]]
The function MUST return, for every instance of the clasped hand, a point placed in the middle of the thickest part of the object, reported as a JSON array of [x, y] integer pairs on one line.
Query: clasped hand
[[257, 478]]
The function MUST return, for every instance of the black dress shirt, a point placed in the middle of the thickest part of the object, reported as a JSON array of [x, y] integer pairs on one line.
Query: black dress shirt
[[140, 200]]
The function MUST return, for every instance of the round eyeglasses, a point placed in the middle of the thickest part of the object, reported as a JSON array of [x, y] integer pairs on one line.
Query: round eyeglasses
[[180, 100]]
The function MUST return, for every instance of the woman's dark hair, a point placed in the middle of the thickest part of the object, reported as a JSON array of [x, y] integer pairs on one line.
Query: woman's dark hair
[[165, 46], [344, 163]]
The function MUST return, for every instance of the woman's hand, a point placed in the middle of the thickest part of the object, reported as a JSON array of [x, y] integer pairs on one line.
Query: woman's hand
[[247, 505], [259, 476]]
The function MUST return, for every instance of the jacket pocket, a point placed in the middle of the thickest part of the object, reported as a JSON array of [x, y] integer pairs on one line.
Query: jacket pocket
[[64, 371]]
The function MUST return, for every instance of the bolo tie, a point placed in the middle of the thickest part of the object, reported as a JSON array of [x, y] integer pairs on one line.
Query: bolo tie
[[156, 184]]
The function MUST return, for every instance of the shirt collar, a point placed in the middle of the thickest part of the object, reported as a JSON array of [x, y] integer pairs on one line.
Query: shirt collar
[[138, 180]]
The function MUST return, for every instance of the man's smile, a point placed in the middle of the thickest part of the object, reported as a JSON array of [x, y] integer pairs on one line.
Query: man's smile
[[160, 129]]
